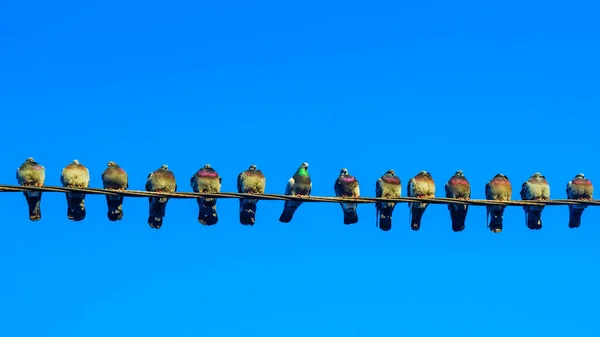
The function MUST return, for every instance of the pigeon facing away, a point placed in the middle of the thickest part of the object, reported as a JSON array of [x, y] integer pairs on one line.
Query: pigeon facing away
[[250, 181], [535, 188], [580, 188], [420, 186], [346, 186], [499, 188], [299, 185], [388, 186], [458, 188], [75, 175], [206, 180], [161, 180], [114, 178], [31, 173]]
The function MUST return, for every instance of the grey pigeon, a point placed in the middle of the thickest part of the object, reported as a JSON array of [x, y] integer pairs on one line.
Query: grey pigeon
[[75, 175], [346, 186], [580, 188], [535, 188], [114, 178], [458, 187], [299, 185], [250, 181], [161, 180], [499, 188], [388, 186], [31, 173], [420, 186], [206, 180]]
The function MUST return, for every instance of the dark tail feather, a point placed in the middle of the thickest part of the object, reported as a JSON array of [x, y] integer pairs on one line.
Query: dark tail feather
[[385, 217], [416, 215], [207, 211], [288, 212], [115, 207], [534, 219], [350, 217], [247, 212], [458, 215], [575, 217], [75, 206], [33, 202], [496, 218], [158, 207]]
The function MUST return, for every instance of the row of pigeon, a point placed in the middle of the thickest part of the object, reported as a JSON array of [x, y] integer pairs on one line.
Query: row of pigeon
[[252, 181]]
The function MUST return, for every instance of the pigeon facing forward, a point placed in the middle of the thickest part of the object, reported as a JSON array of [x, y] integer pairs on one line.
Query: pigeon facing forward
[[31, 173], [535, 188], [499, 188], [346, 186], [161, 180], [420, 186], [75, 175], [206, 180], [580, 188], [458, 188], [388, 186], [114, 178], [299, 185], [250, 181]]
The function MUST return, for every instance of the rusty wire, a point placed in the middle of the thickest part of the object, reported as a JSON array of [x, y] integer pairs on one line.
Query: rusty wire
[[235, 195]]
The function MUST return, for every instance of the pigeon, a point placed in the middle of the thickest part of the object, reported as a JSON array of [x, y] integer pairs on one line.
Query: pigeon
[[206, 180], [346, 186], [499, 188], [420, 186], [250, 181], [75, 175], [299, 185], [114, 178], [458, 188], [535, 188], [161, 180], [580, 188], [388, 186], [31, 173]]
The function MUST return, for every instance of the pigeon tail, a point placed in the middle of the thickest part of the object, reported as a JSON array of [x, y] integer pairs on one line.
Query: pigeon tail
[[115, 207], [575, 217], [534, 219], [497, 215], [76, 206], [458, 215], [157, 211], [384, 215], [207, 215], [350, 217], [247, 212], [34, 200], [416, 215], [288, 212]]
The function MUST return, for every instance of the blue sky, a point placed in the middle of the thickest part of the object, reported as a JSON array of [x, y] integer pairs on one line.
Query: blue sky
[[505, 87]]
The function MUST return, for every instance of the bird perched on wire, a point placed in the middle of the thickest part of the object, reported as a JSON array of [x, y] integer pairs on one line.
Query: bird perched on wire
[[206, 180], [535, 188], [387, 186], [114, 178], [458, 188], [250, 181], [420, 186], [75, 175], [161, 180], [300, 186], [580, 188], [500, 189], [31, 173], [346, 186]]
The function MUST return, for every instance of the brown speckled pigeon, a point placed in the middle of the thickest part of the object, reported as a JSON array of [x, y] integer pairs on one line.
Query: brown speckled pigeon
[[346, 186], [114, 178], [251, 181], [580, 188], [161, 180], [299, 185], [206, 180], [499, 188], [31, 173], [387, 186], [75, 175], [535, 188], [458, 188], [420, 186]]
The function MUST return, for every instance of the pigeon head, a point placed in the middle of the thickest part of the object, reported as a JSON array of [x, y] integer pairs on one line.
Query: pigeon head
[[459, 173], [424, 173], [164, 167], [75, 162], [111, 164], [30, 160], [344, 172], [252, 167], [304, 165], [580, 175], [207, 166], [391, 172], [537, 175]]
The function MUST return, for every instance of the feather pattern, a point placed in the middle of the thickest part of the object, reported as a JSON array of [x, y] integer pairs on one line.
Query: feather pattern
[[207, 180], [500, 189], [420, 186], [579, 188], [114, 177], [535, 188], [346, 186], [387, 186], [31, 173], [299, 185], [160, 180], [250, 181], [458, 187], [75, 175]]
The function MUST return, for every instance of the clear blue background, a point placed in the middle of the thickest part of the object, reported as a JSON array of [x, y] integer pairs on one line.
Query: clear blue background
[[485, 87]]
